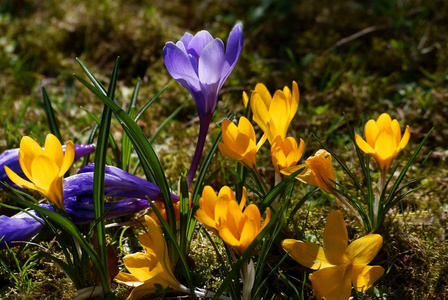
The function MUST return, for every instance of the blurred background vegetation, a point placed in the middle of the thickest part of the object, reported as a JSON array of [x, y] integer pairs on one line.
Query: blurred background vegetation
[[360, 58]]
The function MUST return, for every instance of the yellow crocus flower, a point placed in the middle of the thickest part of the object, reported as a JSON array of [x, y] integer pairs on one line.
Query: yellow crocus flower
[[318, 171], [286, 153], [44, 168], [384, 140], [239, 142], [239, 228], [222, 214], [273, 114], [151, 269], [338, 265], [210, 213]]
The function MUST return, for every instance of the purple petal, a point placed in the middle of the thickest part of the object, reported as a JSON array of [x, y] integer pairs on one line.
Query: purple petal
[[118, 183], [81, 210], [198, 43], [233, 50], [211, 63], [18, 228], [179, 66], [186, 39]]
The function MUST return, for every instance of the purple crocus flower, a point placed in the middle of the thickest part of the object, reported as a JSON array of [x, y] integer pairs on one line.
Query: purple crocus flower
[[23, 226], [201, 65], [10, 158], [117, 183]]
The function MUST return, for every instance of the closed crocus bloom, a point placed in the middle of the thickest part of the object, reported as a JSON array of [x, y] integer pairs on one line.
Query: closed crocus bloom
[[339, 266], [286, 153], [318, 171], [239, 142], [273, 114], [239, 228], [44, 168], [383, 140], [210, 212], [201, 65], [150, 270]]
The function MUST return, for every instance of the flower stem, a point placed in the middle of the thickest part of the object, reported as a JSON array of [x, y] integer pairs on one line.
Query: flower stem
[[204, 124]]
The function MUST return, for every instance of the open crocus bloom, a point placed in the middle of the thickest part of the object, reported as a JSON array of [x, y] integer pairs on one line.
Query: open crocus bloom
[[338, 265], [10, 158], [222, 214], [209, 213], [273, 114], [239, 142], [150, 270], [201, 65], [318, 171], [286, 153], [239, 228], [44, 168], [384, 140]]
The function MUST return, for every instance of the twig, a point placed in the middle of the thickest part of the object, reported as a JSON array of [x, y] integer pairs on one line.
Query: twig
[[355, 36]]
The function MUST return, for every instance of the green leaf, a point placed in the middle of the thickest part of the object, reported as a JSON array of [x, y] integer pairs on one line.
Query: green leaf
[[52, 123]]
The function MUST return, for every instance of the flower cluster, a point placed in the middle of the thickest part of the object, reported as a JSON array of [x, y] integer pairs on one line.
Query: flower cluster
[[201, 64]]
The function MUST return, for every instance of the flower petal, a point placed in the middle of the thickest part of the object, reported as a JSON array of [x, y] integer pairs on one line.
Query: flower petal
[[179, 66], [29, 149], [198, 43], [363, 250], [307, 254], [405, 139], [233, 49], [364, 277], [210, 64], [19, 180], [385, 145], [69, 157], [333, 283], [127, 279], [335, 238], [371, 133], [365, 147], [53, 149]]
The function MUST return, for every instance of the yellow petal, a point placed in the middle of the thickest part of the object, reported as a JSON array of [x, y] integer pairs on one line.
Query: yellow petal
[[365, 147], [363, 250], [364, 277], [335, 238], [245, 99], [385, 145], [332, 283], [307, 254], [266, 219], [127, 279], [246, 128], [371, 133], [154, 239], [395, 126], [383, 122], [264, 94], [44, 172], [68, 159], [53, 149], [19, 180], [141, 265], [29, 149], [294, 105], [260, 111], [249, 232], [404, 141]]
